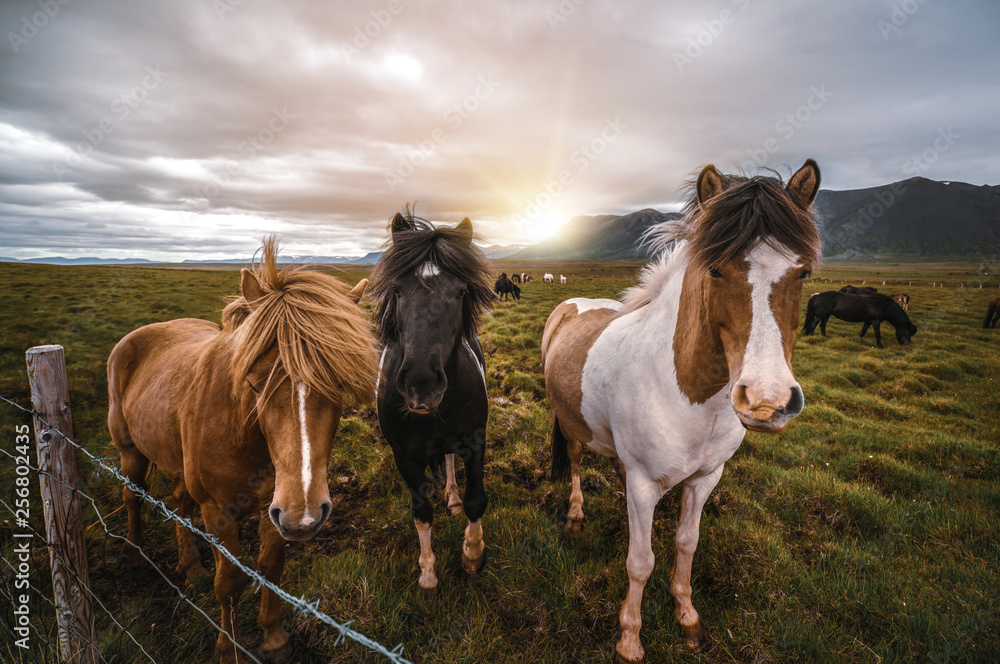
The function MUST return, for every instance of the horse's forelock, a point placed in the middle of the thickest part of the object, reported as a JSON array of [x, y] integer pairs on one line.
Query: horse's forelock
[[747, 212], [447, 248], [322, 337]]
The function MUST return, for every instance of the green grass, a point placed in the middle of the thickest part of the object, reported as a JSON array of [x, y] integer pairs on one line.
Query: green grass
[[868, 531]]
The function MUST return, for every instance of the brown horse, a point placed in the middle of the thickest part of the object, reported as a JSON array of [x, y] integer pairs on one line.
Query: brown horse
[[243, 418], [903, 300], [668, 381], [992, 313]]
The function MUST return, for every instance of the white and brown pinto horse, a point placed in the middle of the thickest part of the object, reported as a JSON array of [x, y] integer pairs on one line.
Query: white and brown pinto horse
[[668, 381], [243, 418]]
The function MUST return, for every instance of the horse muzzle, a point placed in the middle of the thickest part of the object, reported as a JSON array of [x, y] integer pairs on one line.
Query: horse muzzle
[[763, 415], [303, 528]]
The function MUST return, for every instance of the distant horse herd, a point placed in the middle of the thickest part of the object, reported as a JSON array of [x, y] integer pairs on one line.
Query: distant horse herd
[[243, 415]]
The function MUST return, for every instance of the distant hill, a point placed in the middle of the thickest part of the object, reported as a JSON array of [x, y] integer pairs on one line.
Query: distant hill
[[605, 237], [913, 217]]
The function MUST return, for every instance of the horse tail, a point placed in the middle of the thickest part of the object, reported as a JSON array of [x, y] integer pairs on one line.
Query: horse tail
[[990, 310], [560, 456], [810, 323]]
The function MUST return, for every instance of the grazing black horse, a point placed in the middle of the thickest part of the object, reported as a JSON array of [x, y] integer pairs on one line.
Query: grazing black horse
[[504, 287], [868, 308], [431, 288], [858, 290]]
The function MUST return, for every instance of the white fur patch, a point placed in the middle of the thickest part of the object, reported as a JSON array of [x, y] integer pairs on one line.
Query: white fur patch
[[764, 362], [428, 270], [482, 369], [301, 389], [584, 304]]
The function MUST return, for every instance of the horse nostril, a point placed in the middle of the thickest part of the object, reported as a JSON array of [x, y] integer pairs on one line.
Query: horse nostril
[[795, 403], [275, 514], [325, 509]]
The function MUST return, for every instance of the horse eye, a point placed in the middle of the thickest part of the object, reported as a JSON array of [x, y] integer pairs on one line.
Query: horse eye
[[461, 294], [395, 292], [715, 274], [805, 274]]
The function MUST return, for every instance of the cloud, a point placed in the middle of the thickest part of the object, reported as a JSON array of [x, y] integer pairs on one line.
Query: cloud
[[189, 129]]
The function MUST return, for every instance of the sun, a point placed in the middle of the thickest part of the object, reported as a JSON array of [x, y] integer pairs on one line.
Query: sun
[[540, 227]]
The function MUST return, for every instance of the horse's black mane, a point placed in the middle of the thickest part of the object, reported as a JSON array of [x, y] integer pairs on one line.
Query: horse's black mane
[[451, 251], [749, 210]]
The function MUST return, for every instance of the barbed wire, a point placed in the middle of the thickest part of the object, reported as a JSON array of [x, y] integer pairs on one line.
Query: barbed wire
[[258, 581]]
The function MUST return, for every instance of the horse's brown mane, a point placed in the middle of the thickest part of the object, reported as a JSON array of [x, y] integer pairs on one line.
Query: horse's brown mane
[[322, 337], [451, 251], [748, 211]]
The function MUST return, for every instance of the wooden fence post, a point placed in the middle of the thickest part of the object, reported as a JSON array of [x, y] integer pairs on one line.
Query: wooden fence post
[[63, 525]]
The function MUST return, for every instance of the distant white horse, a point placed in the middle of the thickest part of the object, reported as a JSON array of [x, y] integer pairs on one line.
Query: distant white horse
[[694, 356], [548, 278], [562, 279]]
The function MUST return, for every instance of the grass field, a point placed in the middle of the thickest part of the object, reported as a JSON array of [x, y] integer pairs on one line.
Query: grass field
[[868, 531]]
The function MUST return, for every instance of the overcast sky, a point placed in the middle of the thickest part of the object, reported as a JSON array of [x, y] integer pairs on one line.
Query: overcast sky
[[188, 129]]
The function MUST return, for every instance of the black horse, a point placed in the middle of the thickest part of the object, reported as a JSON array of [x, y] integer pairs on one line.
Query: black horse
[[431, 288], [504, 287], [858, 290], [868, 308]]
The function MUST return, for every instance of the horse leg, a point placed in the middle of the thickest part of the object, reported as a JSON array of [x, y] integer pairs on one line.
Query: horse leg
[[864, 328], [188, 560], [473, 547], [423, 514], [620, 471], [693, 497], [878, 333], [822, 325], [229, 581], [451, 486], [270, 563], [134, 467], [574, 518], [641, 498]]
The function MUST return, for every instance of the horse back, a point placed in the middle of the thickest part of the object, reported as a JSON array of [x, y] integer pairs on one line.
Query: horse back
[[570, 332], [151, 373]]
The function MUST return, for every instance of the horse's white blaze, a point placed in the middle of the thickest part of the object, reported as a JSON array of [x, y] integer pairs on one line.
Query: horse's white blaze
[[428, 270], [584, 304], [301, 390], [378, 376], [764, 364]]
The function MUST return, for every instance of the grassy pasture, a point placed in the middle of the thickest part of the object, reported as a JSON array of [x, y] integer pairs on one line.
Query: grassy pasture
[[868, 531]]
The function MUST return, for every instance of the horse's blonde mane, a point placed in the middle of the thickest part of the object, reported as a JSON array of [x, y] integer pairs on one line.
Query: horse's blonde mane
[[322, 337]]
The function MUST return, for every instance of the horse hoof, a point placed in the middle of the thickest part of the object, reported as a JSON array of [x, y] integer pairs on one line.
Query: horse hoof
[[573, 525], [622, 659], [473, 566], [193, 574], [279, 655], [133, 558], [429, 593], [455, 509], [695, 639]]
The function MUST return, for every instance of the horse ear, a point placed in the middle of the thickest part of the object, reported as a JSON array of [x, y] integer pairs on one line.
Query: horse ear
[[709, 183], [359, 290], [400, 223], [465, 229], [804, 185], [249, 286]]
